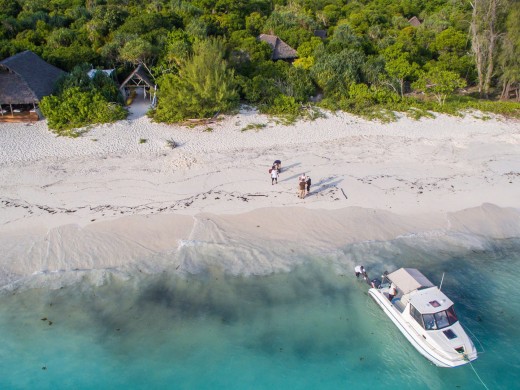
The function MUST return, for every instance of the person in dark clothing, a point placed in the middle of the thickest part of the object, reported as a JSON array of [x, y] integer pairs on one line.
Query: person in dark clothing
[[308, 182]]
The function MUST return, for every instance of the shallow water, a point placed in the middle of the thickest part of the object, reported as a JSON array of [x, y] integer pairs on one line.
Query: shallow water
[[312, 327]]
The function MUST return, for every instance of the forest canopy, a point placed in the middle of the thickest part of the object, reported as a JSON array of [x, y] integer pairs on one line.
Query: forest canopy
[[364, 56]]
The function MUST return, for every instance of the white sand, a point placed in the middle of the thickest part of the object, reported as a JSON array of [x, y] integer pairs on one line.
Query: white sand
[[65, 203]]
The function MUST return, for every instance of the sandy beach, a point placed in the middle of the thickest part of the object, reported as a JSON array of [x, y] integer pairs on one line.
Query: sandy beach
[[119, 198]]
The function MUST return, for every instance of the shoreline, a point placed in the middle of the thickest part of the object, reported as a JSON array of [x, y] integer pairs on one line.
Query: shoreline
[[258, 242], [405, 177]]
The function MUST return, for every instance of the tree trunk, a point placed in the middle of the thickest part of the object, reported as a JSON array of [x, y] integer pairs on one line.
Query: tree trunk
[[492, 37], [476, 42], [505, 90], [484, 37]]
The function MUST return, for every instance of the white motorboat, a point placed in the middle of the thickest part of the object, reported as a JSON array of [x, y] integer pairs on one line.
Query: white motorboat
[[425, 316]]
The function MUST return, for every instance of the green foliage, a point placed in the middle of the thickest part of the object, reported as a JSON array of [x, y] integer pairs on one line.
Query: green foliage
[[439, 83], [370, 50], [136, 51], [401, 69], [203, 87], [253, 126], [74, 109], [67, 57], [334, 72], [284, 107]]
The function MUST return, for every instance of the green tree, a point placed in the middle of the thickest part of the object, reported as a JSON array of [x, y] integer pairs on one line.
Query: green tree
[[136, 51], [486, 29], [75, 108], [452, 47], [400, 65], [255, 22], [203, 86], [439, 83], [334, 72]]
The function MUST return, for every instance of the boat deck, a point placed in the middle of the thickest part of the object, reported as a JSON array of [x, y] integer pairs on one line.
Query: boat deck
[[398, 304]]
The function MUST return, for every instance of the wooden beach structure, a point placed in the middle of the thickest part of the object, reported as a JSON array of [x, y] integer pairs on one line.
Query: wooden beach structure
[[138, 83], [25, 79], [281, 50]]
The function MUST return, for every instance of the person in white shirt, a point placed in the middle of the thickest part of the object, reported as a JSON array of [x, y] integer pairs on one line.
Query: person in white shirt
[[274, 176], [360, 270], [392, 292]]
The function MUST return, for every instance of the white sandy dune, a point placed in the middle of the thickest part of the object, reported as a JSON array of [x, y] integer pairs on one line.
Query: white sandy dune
[[119, 194]]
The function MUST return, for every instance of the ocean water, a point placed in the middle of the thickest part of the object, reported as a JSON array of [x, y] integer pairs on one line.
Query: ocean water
[[312, 327]]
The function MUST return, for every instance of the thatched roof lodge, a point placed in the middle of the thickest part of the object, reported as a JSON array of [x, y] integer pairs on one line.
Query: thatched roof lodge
[[281, 50], [25, 79]]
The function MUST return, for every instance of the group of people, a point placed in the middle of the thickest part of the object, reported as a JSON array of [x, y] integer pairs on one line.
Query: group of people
[[359, 270], [304, 185], [275, 171], [304, 181]]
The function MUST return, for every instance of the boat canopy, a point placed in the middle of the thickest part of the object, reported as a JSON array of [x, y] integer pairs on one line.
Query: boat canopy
[[430, 300], [409, 279]]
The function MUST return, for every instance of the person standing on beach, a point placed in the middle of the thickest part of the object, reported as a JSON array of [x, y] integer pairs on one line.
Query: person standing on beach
[[308, 183], [301, 187], [274, 176]]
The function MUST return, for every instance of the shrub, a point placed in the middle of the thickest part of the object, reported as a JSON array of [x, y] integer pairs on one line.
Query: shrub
[[75, 108]]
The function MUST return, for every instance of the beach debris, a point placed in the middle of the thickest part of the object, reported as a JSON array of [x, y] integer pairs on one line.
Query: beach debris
[[171, 143], [44, 368]]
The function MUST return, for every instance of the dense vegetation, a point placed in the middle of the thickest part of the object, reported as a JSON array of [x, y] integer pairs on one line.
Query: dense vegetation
[[80, 100], [205, 55]]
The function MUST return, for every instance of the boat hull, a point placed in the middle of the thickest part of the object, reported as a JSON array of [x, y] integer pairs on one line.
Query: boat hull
[[418, 341]]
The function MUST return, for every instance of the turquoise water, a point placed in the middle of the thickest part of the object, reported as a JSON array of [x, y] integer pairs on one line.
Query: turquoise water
[[311, 328]]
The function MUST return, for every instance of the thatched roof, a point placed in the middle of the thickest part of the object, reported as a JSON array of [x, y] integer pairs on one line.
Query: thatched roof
[[414, 21], [25, 78], [281, 50], [138, 77]]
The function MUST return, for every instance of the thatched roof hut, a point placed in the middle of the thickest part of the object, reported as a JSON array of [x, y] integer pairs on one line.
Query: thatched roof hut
[[25, 78], [139, 77], [136, 80], [281, 50], [414, 21]]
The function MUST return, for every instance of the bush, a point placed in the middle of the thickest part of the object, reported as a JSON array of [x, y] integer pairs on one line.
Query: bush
[[284, 107], [75, 108]]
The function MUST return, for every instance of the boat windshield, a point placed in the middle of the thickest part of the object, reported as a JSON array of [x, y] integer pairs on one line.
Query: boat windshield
[[439, 320]]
